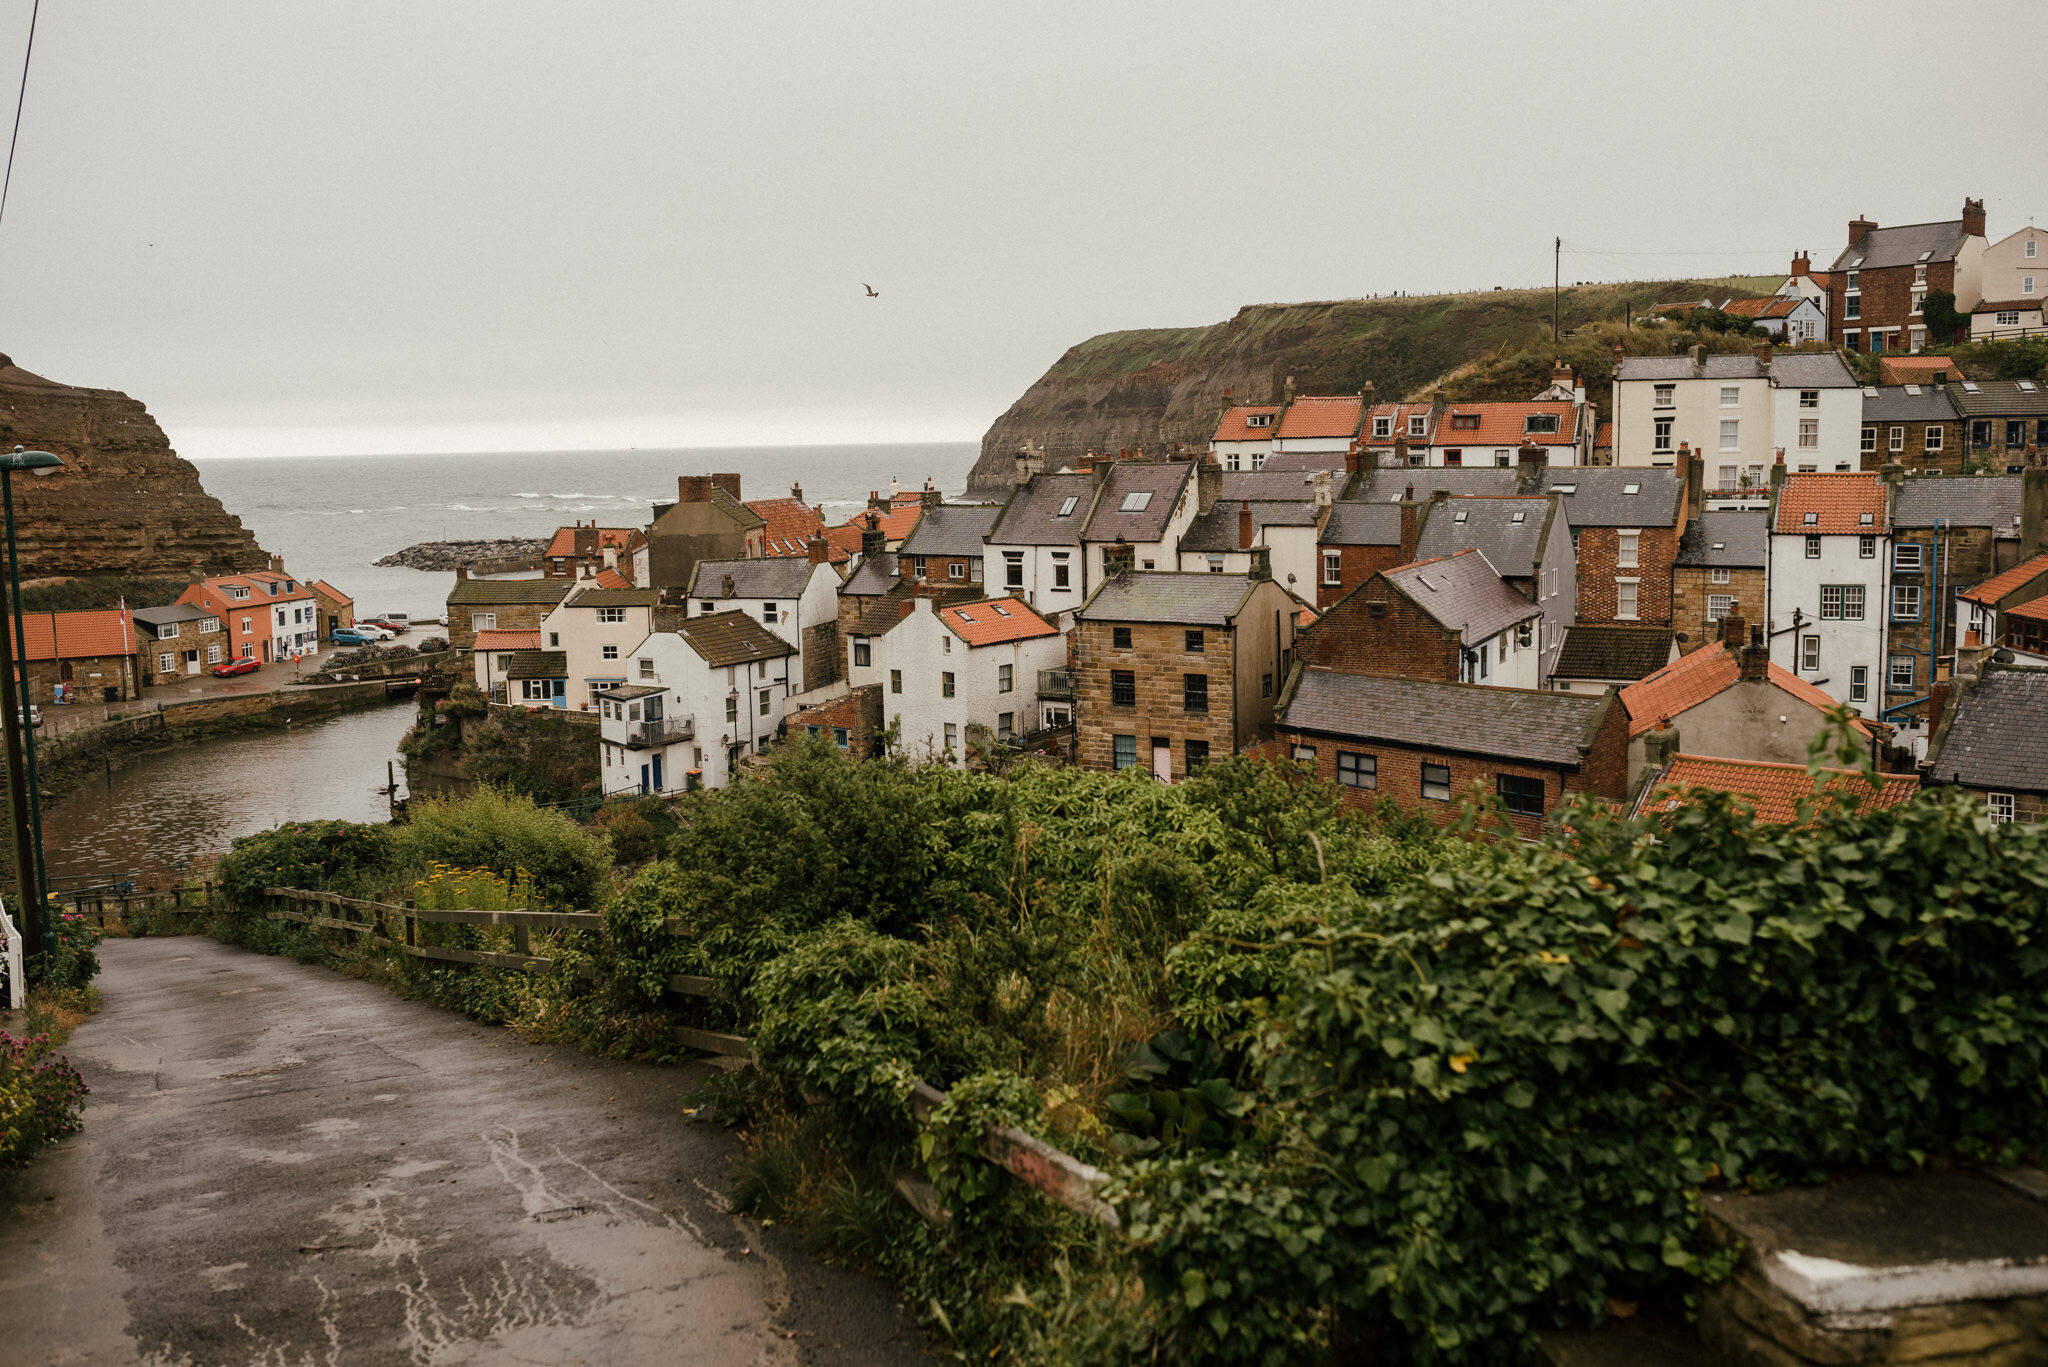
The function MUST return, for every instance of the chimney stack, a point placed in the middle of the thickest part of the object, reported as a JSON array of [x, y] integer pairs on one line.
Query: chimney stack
[[1755, 658], [1692, 479], [727, 587], [1401, 449], [1660, 746], [929, 496], [1320, 482], [462, 572], [1892, 474], [875, 500], [196, 575], [1208, 486], [1778, 475], [728, 482], [1410, 532], [1244, 525], [1287, 392], [1560, 373], [796, 491], [873, 540], [1262, 563], [1763, 354], [820, 549], [693, 488], [1802, 265], [1973, 217], [1859, 228], [1619, 354], [1699, 360], [1530, 463]]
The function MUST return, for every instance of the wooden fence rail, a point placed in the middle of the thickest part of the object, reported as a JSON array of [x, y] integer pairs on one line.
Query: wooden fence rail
[[1058, 1176], [104, 904]]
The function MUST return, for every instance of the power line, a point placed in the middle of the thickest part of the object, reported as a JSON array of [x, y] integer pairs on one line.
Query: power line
[[1577, 250], [20, 98]]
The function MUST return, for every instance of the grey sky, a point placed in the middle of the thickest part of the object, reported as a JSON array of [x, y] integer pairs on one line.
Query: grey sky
[[394, 227]]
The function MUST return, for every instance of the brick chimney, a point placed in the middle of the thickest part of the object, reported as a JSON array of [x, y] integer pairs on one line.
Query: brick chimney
[[873, 540], [1756, 657], [461, 572], [1763, 354], [1973, 217], [1734, 628], [196, 575], [693, 488], [1410, 534], [1699, 360], [1244, 524], [1660, 746], [1401, 449], [1619, 354], [1530, 463], [796, 491], [728, 482], [1778, 475], [1859, 228], [1208, 485], [875, 500], [929, 496], [726, 587], [1560, 373], [1692, 478], [1802, 265], [820, 549]]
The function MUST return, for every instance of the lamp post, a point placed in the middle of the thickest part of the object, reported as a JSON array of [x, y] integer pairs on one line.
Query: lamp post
[[25, 802]]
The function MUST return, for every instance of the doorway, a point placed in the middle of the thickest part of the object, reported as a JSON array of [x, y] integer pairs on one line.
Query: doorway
[[657, 773], [1162, 759], [191, 662]]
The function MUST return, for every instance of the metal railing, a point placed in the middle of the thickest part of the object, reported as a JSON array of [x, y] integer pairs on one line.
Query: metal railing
[[660, 731], [1056, 683]]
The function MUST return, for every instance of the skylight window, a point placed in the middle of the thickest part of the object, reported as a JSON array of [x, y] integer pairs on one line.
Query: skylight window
[[1564, 488], [1870, 391], [1519, 517], [965, 615], [2027, 385], [1631, 488], [1460, 515], [1001, 611], [1865, 519], [1969, 386], [1136, 503], [1067, 508], [1811, 519], [1720, 545], [1914, 390], [1926, 254]]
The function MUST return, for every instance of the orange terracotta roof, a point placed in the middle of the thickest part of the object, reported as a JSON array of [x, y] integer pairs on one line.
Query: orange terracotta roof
[[1999, 585], [791, 525], [564, 543], [609, 579], [508, 640], [1603, 436], [1774, 307], [1304, 615], [1322, 416], [1916, 369], [995, 621], [1773, 791], [332, 592], [2035, 610], [1399, 413], [1233, 426], [1686, 683], [74, 635], [898, 522], [1839, 502], [1500, 424]]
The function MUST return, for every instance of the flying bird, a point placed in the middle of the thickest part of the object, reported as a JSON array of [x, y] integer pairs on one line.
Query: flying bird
[[871, 291]]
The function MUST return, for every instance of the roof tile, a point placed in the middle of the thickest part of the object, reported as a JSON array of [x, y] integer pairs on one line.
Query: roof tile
[[1774, 791], [1841, 504], [995, 621]]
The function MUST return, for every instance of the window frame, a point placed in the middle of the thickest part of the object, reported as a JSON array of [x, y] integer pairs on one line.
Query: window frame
[[1517, 804], [1194, 694], [1428, 779], [1123, 688], [1903, 595], [1358, 769]]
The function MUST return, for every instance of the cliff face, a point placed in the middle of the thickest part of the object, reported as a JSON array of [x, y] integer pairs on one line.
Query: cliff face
[[1152, 388], [124, 503]]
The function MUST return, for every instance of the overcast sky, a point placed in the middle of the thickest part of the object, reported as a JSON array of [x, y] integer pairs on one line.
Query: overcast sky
[[430, 227]]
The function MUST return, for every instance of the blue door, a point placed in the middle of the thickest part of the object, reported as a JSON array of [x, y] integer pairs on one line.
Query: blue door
[[643, 778], [657, 773]]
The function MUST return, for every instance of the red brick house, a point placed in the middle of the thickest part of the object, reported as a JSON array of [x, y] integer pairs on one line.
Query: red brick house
[[1626, 525], [1883, 275], [1425, 744], [582, 550], [269, 615], [1450, 619], [1358, 541]]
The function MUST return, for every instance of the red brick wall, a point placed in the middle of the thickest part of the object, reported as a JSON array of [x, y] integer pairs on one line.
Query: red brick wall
[[1599, 550], [1356, 564], [1405, 642], [1887, 302]]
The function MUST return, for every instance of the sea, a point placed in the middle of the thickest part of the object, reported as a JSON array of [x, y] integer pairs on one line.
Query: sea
[[331, 517]]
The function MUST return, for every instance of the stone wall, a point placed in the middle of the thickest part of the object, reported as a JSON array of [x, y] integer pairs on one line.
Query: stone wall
[[1159, 661]]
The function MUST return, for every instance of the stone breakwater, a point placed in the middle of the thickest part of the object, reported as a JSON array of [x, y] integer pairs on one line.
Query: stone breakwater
[[478, 555]]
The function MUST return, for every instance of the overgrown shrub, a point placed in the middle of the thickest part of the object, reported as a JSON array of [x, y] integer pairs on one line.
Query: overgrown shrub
[[346, 855], [77, 960], [564, 864], [41, 1098]]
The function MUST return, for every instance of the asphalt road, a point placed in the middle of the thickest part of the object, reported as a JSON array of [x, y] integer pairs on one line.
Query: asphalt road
[[285, 1166]]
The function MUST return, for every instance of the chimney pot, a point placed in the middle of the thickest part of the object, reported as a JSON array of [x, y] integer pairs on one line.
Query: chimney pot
[[796, 491]]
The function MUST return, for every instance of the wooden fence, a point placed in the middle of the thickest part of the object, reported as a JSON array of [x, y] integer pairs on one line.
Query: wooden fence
[[1059, 1176], [104, 904]]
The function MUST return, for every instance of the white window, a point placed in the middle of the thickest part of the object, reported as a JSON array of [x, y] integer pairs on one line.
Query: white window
[[1625, 598], [2030, 249], [1898, 438], [952, 736], [1661, 440], [1215, 564], [208, 624], [167, 632], [1418, 425], [1333, 567], [1718, 575], [1667, 396], [2026, 284], [1809, 434], [647, 669], [957, 569], [1906, 556], [2008, 318], [766, 695], [1731, 477], [1859, 683], [1809, 398], [1719, 605], [1866, 548], [1813, 548], [1731, 434], [1731, 396], [1933, 442], [1625, 549], [1998, 806], [768, 613], [1902, 674], [1905, 602], [213, 654], [611, 614], [165, 662], [1919, 302], [1809, 654], [478, 621]]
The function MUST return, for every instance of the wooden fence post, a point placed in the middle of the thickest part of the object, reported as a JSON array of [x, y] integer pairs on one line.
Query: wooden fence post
[[412, 924], [522, 941]]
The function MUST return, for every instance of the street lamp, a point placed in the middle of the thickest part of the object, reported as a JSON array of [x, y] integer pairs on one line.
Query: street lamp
[[25, 802]]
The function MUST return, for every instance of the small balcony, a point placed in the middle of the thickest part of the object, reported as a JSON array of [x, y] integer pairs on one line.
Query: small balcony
[[652, 735], [1056, 685]]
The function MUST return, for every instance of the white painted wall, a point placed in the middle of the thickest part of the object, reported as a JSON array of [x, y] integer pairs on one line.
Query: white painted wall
[[787, 617], [1795, 584], [1840, 415], [701, 691], [1163, 553], [577, 631], [1244, 455], [1040, 579], [925, 649]]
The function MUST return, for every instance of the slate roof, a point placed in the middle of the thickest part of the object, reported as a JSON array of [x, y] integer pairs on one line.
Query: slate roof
[[779, 576], [1032, 516], [616, 598], [539, 664], [1490, 526], [1232, 427], [1773, 791], [1999, 585], [1526, 725], [1194, 600], [995, 621], [2000, 398], [1904, 245], [1612, 652], [1730, 539], [1600, 495], [175, 612], [1893, 403], [952, 529], [1305, 462], [876, 615], [1969, 501], [731, 638], [1263, 485], [1464, 594], [875, 575], [1999, 737], [1389, 485], [631, 692], [484, 592], [1787, 370], [1840, 503], [1318, 415], [1362, 524], [1217, 529], [1164, 480]]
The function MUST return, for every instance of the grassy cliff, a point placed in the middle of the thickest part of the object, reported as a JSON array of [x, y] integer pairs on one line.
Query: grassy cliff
[[1153, 387]]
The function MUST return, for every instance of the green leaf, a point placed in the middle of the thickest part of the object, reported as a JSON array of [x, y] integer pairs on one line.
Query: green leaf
[[1520, 1095], [1736, 928], [1612, 1002], [1194, 1288]]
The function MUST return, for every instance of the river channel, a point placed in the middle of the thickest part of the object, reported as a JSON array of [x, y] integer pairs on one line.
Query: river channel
[[161, 810]]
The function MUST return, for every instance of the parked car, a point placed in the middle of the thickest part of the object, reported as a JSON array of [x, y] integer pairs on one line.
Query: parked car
[[370, 631], [35, 716], [397, 621], [351, 636], [228, 669]]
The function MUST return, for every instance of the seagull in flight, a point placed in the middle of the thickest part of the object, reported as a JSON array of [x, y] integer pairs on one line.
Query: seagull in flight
[[871, 291]]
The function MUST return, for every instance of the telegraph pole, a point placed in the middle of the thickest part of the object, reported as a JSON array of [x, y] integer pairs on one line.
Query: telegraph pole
[[1556, 286]]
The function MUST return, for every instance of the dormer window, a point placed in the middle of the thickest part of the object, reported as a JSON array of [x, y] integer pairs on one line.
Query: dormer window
[[1464, 422], [1541, 424], [1137, 502], [1564, 488], [1067, 507], [1631, 488], [1418, 425], [1259, 420], [1383, 427], [1865, 519]]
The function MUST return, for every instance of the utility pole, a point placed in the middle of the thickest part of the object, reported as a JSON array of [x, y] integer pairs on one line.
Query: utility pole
[[30, 878], [1556, 286]]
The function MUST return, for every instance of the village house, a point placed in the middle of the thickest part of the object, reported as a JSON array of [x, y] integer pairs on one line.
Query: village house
[[1790, 319], [1036, 541], [91, 656], [490, 660], [797, 599], [1989, 613], [1360, 539], [1945, 533], [706, 522], [1398, 434], [269, 615], [1885, 275], [1728, 702], [1913, 425], [580, 551], [178, 642], [964, 675], [949, 545], [1807, 283], [1316, 422], [1830, 546], [1453, 620], [725, 682], [1723, 559], [1991, 742], [852, 722], [1244, 436], [2014, 281], [1737, 410], [2005, 423], [1142, 511], [1626, 523], [1173, 669], [896, 517], [337, 611], [1773, 793], [597, 629], [1526, 540], [1221, 540], [644, 745], [794, 528], [1594, 659], [1427, 745], [500, 605], [536, 679], [1897, 369], [1494, 434]]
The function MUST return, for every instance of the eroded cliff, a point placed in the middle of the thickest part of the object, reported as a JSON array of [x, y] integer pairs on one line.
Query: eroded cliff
[[124, 503]]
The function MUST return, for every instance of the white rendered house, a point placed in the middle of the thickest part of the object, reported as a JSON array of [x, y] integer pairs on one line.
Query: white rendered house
[[596, 629], [1739, 410], [1829, 586], [724, 686], [792, 596], [974, 665]]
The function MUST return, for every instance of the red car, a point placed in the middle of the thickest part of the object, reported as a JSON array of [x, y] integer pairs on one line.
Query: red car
[[227, 669]]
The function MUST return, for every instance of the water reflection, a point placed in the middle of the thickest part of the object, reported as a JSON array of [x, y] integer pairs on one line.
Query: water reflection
[[161, 810]]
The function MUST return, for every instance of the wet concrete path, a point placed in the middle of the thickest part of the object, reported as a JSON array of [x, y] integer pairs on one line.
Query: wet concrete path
[[285, 1166]]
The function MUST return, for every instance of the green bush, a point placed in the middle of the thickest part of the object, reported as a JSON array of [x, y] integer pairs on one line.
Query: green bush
[[77, 960], [345, 855], [40, 1098], [565, 864]]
